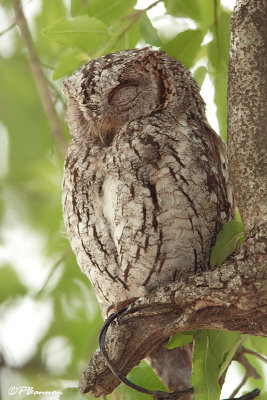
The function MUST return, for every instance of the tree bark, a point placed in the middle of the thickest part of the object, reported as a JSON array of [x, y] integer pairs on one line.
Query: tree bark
[[247, 112], [233, 296]]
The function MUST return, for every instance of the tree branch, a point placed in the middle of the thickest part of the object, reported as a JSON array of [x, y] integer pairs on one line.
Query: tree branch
[[39, 77], [223, 298]]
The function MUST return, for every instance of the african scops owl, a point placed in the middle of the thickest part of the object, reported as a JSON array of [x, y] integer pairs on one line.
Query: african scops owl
[[145, 185]]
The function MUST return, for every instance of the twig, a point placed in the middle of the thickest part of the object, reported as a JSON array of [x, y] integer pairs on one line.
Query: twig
[[134, 17], [65, 255], [250, 371], [39, 77], [242, 383], [8, 29], [253, 353], [143, 10]]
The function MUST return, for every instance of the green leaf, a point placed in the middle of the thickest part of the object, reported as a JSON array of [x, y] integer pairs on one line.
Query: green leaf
[[200, 74], [10, 284], [218, 48], [106, 10], [83, 32], [51, 11], [205, 372], [71, 394], [259, 344], [226, 242], [206, 13], [179, 339], [68, 61], [213, 353], [185, 46], [125, 36], [144, 376], [148, 32], [181, 8]]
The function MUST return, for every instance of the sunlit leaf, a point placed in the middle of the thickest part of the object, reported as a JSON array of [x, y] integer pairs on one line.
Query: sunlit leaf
[[68, 61], [259, 344], [51, 11], [263, 396], [148, 32], [205, 371], [206, 13], [10, 284], [125, 36], [226, 242], [106, 10], [180, 339], [200, 74], [143, 376], [71, 393], [185, 46], [83, 32], [213, 352], [181, 8]]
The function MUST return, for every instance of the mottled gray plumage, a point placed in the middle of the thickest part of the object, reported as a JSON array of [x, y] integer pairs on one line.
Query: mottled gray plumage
[[144, 190]]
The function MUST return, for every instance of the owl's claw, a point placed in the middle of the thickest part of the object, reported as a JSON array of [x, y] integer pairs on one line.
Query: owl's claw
[[157, 394]]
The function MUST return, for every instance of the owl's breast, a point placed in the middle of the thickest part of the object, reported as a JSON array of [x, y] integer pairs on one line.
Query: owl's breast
[[145, 210]]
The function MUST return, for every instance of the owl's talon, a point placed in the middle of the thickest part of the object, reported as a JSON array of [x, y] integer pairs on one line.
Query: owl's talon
[[157, 394]]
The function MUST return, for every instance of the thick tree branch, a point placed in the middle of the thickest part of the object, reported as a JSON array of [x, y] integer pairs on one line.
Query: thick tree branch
[[231, 297], [39, 77]]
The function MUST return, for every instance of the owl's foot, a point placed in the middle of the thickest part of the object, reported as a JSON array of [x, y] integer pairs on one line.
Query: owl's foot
[[115, 307], [157, 394]]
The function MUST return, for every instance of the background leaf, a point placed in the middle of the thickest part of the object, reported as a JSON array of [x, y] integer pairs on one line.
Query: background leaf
[[185, 46], [226, 242], [82, 31], [180, 339], [142, 376]]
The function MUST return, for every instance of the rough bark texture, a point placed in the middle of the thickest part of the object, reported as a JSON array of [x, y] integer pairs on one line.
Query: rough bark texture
[[247, 144], [234, 295]]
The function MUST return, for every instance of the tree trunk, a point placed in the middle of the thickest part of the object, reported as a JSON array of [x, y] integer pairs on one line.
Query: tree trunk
[[247, 112]]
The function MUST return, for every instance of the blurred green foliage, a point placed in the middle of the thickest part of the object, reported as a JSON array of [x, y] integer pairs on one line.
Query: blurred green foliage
[[66, 35]]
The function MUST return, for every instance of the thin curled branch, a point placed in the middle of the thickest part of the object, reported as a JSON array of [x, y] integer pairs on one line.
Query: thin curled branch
[[39, 77]]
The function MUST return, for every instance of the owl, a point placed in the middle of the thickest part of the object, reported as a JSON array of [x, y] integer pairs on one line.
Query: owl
[[145, 183]]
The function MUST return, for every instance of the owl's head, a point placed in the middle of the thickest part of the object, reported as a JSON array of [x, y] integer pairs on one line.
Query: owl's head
[[121, 87]]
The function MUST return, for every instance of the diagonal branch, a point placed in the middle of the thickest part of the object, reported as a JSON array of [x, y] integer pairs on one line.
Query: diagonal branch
[[39, 77], [223, 298]]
